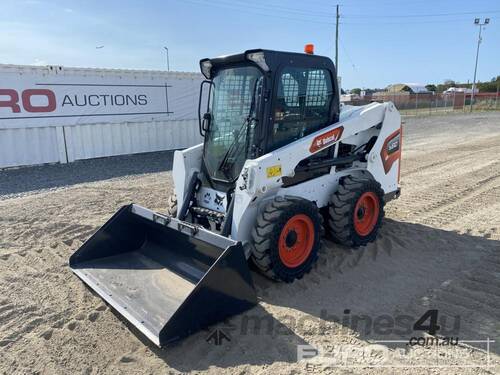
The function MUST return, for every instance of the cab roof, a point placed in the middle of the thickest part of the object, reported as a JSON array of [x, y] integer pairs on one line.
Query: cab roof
[[273, 59]]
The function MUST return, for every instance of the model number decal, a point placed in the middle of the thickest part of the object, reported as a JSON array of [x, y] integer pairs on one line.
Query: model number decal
[[393, 144], [326, 139]]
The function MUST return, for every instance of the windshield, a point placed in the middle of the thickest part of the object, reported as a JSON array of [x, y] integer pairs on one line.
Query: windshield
[[234, 98]]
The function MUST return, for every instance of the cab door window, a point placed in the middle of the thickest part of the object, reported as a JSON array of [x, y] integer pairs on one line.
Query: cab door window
[[302, 104]]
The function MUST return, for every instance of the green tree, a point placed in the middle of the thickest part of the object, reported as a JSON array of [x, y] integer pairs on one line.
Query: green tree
[[489, 86], [446, 85], [431, 87], [356, 91]]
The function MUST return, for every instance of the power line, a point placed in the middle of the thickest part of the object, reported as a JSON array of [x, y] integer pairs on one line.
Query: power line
[[418, 15], [274, 7], [310, 18], [251, 11], [267, 7], [348, 56], [375, 22]]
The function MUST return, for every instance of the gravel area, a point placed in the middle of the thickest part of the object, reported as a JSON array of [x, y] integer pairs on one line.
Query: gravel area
[[17, 182], [439, 248]]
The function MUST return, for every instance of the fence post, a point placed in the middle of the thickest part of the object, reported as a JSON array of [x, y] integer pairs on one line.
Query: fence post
[[430, 103], [416, 104], [496, 97]]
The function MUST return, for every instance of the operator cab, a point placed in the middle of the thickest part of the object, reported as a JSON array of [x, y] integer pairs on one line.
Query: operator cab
[[258, 101]]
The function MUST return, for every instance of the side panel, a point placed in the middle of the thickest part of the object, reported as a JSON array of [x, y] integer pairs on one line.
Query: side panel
[[384, 163], [186, 162], [319, 190]]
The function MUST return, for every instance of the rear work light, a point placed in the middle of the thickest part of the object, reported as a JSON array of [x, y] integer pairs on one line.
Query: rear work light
[[206, 68], [259, 59]]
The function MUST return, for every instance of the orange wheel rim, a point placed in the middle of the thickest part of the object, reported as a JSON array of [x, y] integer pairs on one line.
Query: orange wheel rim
[[296, 240], [366, 213]]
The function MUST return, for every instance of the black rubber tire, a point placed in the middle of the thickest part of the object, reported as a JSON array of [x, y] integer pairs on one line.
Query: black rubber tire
[[340, 222], [266, 232], [172, 206]]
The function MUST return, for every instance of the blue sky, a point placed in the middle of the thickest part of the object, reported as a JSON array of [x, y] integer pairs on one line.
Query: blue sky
[[381, 42]]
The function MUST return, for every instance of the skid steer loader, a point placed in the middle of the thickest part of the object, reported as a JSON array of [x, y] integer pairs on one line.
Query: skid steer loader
[[281, 162]]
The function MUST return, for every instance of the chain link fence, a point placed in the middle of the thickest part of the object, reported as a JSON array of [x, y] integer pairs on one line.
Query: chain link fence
[[427, 104]]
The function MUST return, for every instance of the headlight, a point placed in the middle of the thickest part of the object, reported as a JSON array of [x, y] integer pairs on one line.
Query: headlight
[[206, 67], [248, 177], [259, 59]]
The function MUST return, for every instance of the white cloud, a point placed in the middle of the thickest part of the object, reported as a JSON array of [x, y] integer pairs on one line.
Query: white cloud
[[68, 10]]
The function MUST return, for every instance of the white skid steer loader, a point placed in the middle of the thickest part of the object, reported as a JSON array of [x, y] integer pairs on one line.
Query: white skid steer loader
[[281, 162]]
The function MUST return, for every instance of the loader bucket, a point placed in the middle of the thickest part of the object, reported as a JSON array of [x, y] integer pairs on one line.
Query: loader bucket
[[167, 277]]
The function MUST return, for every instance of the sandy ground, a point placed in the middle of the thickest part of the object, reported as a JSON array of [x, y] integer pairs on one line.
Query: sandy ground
[[439, 249]]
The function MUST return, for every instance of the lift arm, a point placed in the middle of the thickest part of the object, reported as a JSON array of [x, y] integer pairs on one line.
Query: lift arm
[[263, 177]]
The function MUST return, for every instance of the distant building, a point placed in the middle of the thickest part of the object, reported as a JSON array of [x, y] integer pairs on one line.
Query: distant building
[[406, 88], [404, 95], [348, 97]]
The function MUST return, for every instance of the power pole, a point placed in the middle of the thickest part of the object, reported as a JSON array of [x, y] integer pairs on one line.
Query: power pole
[[337, 42], [168, 60], [477, 22]]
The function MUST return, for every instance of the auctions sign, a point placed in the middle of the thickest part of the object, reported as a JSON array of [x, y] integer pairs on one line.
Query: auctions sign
[[35, 100]]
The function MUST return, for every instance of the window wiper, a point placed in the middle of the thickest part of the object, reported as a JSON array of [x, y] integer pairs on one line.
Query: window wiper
[[223, 165]]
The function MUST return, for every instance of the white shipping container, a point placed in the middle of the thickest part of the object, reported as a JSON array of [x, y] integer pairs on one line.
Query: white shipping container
[[57, 114]]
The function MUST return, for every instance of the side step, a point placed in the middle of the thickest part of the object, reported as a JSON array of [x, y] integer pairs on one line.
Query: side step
[[167, 277]]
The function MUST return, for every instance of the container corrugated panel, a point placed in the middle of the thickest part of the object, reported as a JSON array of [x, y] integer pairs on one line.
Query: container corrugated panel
[[96, 72], [28, 146], [100, 140]]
